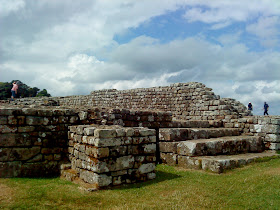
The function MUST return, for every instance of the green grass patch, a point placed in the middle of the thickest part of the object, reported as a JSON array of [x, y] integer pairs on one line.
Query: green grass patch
[[252, 187]]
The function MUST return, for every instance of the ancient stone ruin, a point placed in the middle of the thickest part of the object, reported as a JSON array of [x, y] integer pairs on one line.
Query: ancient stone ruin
[[112, 137]]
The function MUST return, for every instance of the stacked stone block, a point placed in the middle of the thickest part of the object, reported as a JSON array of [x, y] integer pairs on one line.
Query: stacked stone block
[[33, 142], [126, 117], [267, 127], [186, 101], [172, 140], [106, 156]]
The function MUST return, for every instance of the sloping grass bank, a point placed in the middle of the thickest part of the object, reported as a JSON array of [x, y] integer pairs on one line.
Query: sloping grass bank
[[253, 187]]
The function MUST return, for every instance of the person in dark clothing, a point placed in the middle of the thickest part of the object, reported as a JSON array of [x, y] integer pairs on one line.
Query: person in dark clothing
[[265, 107], [250, 106]]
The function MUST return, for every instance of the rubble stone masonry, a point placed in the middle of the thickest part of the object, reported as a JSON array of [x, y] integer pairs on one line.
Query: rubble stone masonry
[[103, 133], [33, 142], [184, 100], [267, 127]]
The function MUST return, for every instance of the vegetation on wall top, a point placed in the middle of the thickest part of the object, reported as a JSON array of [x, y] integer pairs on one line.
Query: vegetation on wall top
[[23, 90]]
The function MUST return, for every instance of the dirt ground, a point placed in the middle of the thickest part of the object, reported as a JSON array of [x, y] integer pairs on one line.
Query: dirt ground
[[274, 171], [6, 194]]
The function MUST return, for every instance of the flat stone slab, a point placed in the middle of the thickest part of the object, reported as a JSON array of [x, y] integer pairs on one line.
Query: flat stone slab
[[183, 134], [221, 146], [218, 164]]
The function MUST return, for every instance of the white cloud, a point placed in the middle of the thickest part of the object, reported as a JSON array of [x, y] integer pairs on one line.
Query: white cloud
[[220, 11], [68, 47], [10, 6], [267, 29], [228, 39]]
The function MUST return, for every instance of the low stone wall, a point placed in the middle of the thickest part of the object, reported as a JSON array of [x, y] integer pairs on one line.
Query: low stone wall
[[126, 117], [33, 142], [268, 127], [106, 156]]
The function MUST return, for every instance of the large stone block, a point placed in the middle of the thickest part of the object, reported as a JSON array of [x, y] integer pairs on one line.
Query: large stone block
[[272, 137], [169, 158], [188, 162], [105, 133], [24, 153], [15, 140], [105, 142], [8, 129], [10, 169], [125, 162], [97, 152], [33, 120], [146, 168], [168, 147], [3, 120], [150, 148], [147, 132], [223, 145], [173, 134]]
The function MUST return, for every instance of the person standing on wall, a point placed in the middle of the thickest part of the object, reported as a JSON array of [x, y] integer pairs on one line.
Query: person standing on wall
[[14, 90], [265, 107], [250, 106]]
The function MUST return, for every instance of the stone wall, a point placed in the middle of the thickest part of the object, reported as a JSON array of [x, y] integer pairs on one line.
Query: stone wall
[[268, 127], [33, 142], [106, 156], [184, 100]]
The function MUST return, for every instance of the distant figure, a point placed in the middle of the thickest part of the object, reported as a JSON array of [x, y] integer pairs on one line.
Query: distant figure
[[14, 90], [265, 107], [250, 106]]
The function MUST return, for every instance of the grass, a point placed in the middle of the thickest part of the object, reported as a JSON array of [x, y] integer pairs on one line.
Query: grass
[[256, 186]]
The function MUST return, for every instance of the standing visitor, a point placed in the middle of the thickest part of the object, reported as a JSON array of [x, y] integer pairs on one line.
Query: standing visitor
[[250, 106], [265, 107], [14, 90]]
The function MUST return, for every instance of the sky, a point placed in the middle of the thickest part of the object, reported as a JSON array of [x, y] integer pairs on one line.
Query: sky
[[72, 47]]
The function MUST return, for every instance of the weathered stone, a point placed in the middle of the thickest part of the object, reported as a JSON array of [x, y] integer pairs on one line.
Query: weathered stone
[[272, 138], [14, 140], [105, 133], [107, 142], [89, 131], [176, 134], [8, 129], [26, 129], [169, 158], [147, 132], [168, 147], [124, 162], [10, 169], [146, 168], [97, 152], [32, 120], [23, 153], [150, 148], [223, 145]]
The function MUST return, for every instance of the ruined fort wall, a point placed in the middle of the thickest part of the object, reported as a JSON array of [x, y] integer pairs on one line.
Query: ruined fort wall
[[33, 142], [266, 127], [184, 100]]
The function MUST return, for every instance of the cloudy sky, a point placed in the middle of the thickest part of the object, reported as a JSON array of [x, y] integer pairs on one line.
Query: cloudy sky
[[72, 47]]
